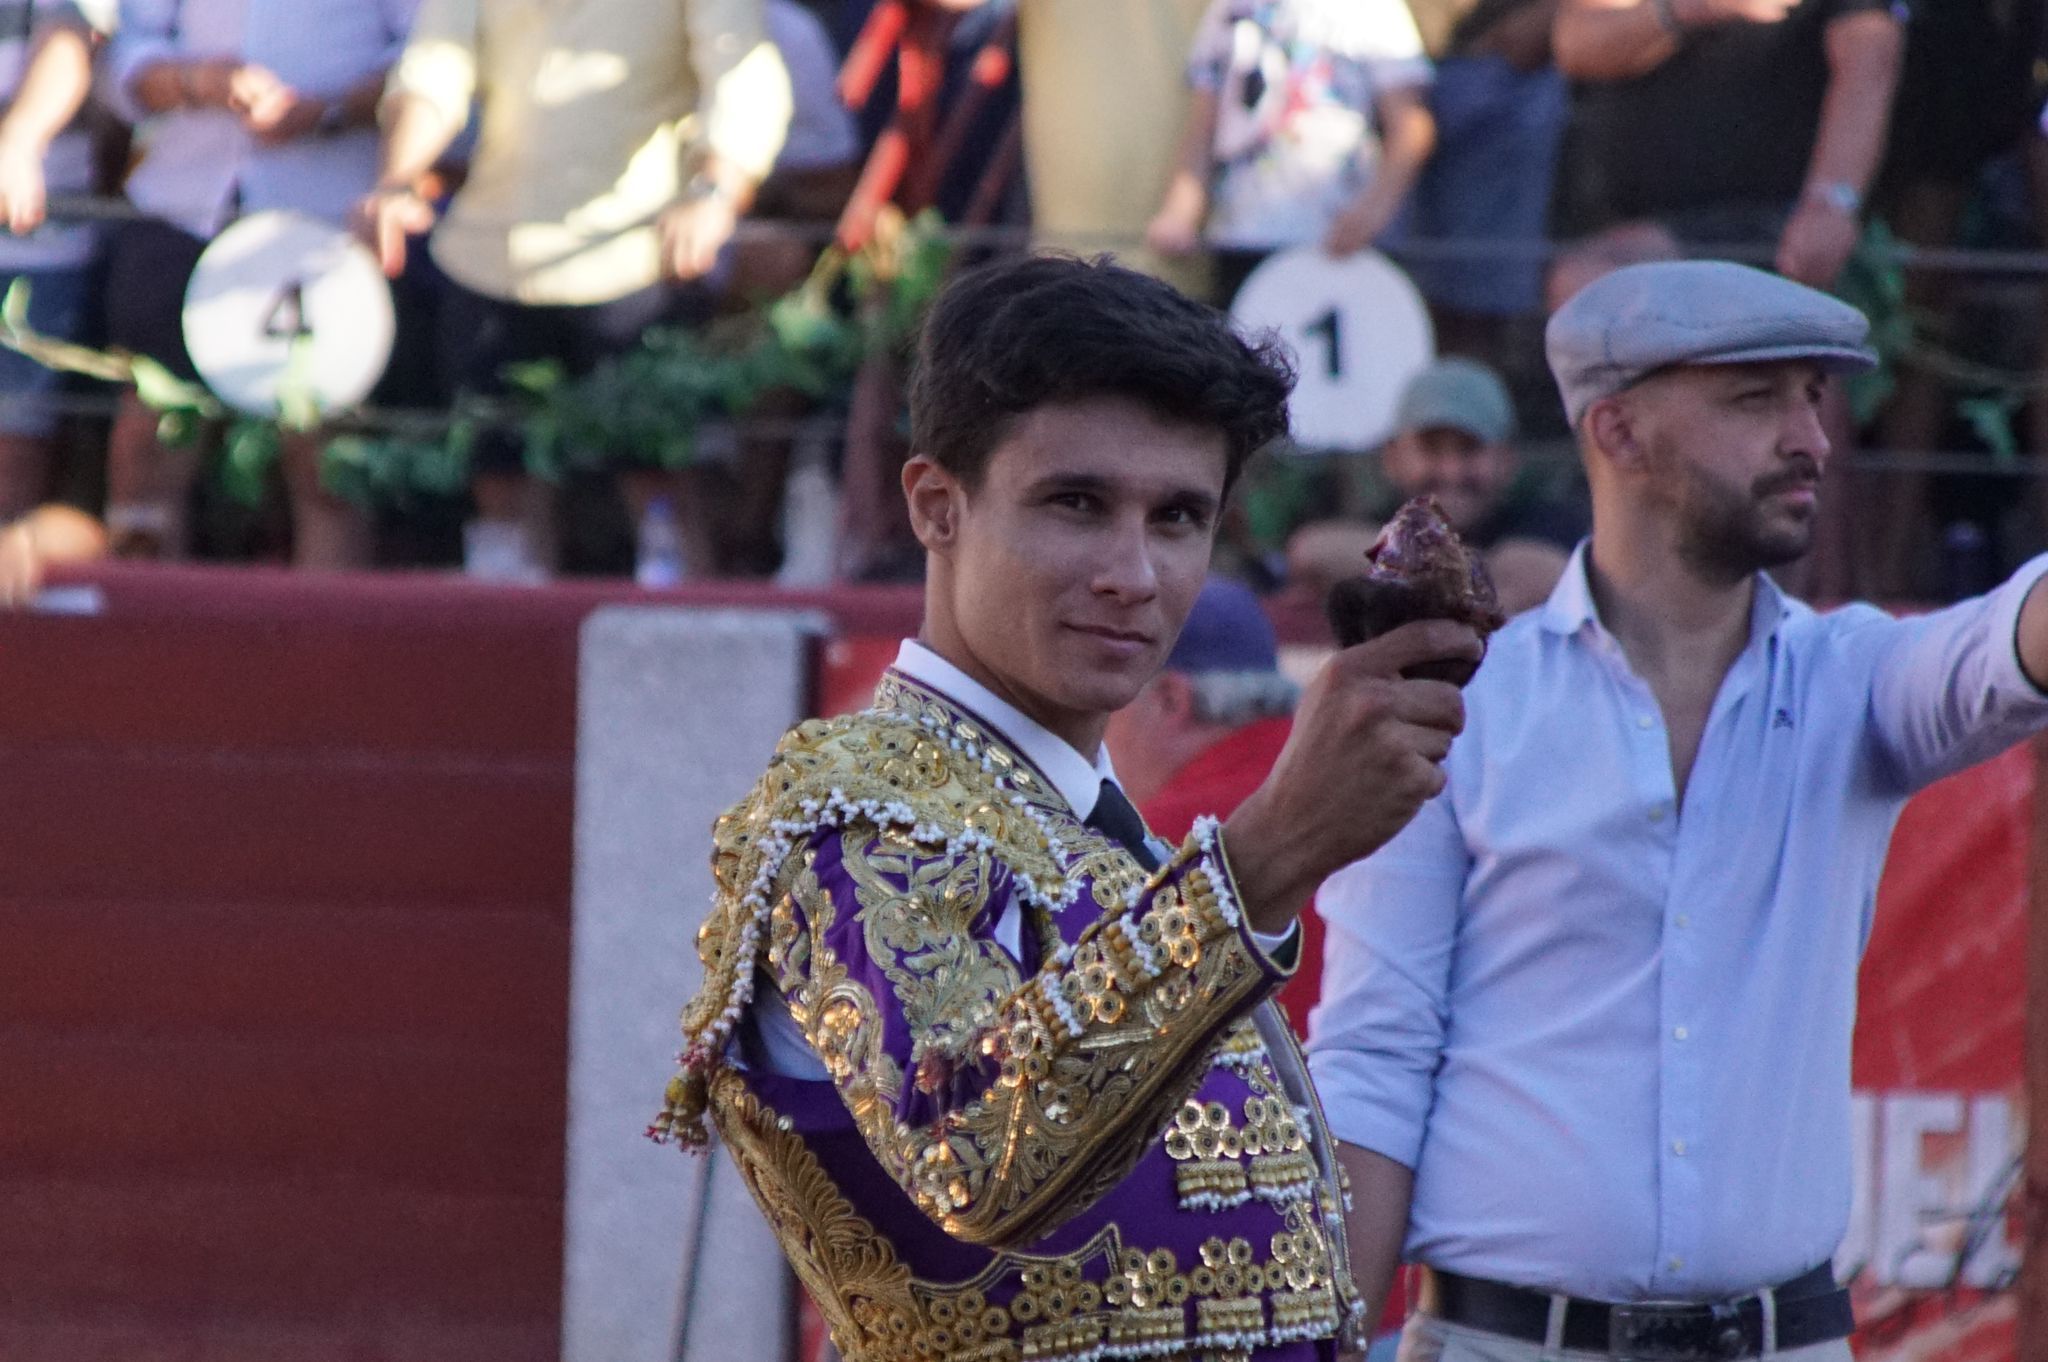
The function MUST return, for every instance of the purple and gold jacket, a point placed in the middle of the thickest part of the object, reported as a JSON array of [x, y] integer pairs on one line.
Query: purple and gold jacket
[[1103, 1145]]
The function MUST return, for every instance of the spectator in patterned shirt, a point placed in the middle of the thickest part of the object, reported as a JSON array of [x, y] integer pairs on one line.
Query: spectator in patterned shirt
[[1309, 123]]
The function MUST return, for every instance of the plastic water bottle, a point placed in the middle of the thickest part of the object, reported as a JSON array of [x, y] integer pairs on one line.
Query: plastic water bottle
[[660, 561], [810, 526], [1967, 566], [498, 551]]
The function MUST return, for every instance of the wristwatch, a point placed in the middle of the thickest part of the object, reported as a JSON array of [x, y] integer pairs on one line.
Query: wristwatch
[[1840, 195], [701, 186]]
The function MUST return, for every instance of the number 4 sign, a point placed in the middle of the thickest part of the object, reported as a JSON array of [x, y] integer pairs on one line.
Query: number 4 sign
[[287, 316], [1359, 332], [282, 301]]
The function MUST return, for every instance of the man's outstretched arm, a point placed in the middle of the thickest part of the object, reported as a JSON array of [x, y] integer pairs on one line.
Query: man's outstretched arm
[[1958, 686]]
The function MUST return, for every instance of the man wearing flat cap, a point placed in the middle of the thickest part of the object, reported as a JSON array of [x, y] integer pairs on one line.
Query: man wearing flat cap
[[1585, 1031]]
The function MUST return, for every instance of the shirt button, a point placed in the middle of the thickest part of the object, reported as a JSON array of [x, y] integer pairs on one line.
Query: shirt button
[[1682, 921], [1678, 1148], [1675, 1264], [1657, 814], [1645, 721], [1680, 1033]]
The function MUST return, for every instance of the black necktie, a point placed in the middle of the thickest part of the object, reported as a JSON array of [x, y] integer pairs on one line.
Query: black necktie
[[1115, 819]]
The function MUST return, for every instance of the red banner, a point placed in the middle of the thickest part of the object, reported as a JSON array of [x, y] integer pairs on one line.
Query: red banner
[[1940, 1112]]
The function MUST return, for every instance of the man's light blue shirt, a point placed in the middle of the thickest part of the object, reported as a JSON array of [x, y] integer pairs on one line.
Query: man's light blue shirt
[[1612, 1039]]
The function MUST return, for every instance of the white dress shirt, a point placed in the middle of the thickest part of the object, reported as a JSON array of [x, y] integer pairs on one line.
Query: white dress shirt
[[1611, 1039], [198, 165], [769, 1036]]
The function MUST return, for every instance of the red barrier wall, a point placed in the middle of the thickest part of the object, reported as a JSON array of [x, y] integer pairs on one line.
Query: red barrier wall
[[284, 933], [283, 955], [284, 888]]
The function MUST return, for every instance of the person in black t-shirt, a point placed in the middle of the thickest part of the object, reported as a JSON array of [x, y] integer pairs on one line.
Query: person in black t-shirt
[[1737, 123], [1966, 98]]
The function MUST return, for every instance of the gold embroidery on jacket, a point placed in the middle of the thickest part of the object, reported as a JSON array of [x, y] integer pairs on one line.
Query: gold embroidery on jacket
[[1304, 1295], [1211, 1151], [949, 981], [850, 1271], [1112, 872], [837, 1014], [1090, 1058], [1281, 1166], [1206, 1146], [1064, 1308], [1062, 1106]]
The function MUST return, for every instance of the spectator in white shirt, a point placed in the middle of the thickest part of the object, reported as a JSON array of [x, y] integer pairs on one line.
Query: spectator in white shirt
[[1585, 1032], [243, 105], [45, 75]]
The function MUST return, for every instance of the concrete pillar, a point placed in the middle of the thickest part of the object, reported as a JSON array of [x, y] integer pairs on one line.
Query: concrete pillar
[[677, 713]]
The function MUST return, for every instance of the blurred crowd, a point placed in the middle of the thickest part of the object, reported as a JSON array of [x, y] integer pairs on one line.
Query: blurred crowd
[[545, 180]]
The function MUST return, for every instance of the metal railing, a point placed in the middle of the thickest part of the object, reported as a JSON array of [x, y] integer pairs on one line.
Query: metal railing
[[2006, 268]]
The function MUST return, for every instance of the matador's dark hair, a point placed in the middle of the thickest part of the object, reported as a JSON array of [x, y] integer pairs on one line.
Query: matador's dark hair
[[1032, 331]]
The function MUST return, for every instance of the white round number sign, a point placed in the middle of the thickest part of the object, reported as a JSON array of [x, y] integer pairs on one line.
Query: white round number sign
[[1359, 332], [284, 307]]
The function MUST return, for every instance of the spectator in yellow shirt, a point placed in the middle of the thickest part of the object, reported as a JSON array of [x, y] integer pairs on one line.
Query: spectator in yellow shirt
[[619, 143]]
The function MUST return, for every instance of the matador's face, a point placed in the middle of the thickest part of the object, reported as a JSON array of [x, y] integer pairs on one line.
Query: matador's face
[[1076, 559]]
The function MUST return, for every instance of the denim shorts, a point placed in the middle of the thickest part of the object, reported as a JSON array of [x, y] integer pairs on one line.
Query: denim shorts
[[149, 264], [56, 308]]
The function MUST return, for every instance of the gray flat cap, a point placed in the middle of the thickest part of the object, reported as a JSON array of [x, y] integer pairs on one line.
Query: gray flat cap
[[1625, 326]]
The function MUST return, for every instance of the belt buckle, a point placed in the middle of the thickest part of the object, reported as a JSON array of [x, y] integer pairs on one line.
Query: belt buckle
[[1675, 1332]]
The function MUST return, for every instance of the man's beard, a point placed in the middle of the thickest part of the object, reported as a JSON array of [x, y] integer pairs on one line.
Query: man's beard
[[1726, 533]]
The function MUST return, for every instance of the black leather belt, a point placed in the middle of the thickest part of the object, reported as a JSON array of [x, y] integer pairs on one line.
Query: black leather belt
[[1810, 1309]]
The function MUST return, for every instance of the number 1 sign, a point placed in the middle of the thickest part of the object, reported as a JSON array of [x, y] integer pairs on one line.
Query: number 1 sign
[[1359, 332], [285, 306]]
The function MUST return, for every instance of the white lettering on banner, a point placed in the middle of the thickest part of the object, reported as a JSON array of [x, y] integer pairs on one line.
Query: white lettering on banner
[[1933, 1175]]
